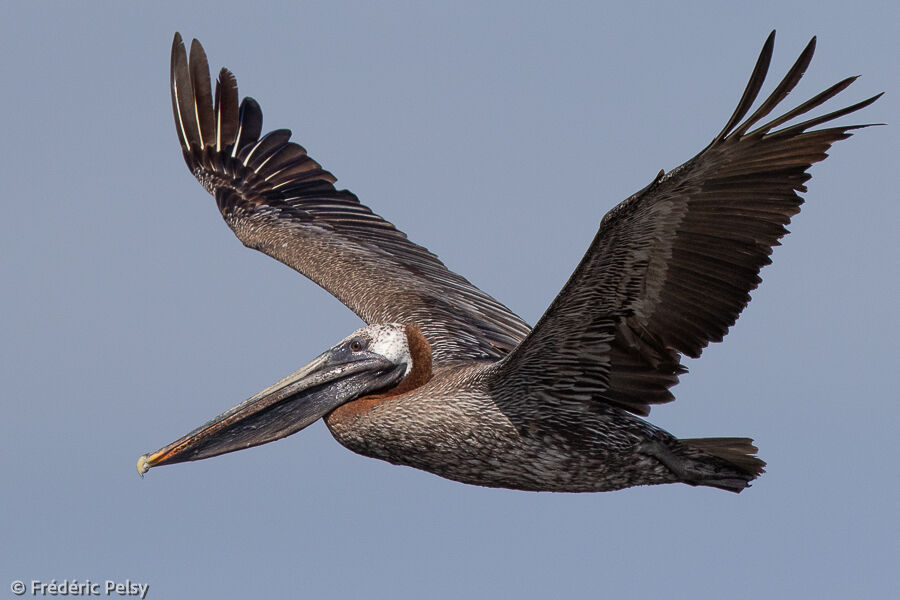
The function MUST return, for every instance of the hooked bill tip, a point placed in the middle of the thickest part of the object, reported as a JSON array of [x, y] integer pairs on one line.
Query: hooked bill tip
[[143, 465]]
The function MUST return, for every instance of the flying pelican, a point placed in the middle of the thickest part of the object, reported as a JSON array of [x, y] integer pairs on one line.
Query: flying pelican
[[445, 378]]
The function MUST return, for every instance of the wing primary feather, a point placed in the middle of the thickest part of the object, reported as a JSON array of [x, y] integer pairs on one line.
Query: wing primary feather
[[753, 86], [802, 127], [183, 96], [249, 125], [805, 107], [227, 115], [203, 102], [783, 89]]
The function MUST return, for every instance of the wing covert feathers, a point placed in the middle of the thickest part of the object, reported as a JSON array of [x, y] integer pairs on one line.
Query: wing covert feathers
[[280, 201], [672, 267]]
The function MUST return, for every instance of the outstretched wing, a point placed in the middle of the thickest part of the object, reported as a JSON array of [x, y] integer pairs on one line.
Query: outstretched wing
[[671, 267], [278, 200]]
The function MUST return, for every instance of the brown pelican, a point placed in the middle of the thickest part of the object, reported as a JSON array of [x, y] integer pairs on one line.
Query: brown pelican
[[445, 378]]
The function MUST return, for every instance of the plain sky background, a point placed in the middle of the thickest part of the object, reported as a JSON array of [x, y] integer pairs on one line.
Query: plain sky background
[[497, 136]]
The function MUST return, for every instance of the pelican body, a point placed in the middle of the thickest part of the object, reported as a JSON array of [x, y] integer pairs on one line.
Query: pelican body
[[444, 377]]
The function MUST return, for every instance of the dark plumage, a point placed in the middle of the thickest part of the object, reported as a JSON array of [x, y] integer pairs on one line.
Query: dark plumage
[[449, 380]]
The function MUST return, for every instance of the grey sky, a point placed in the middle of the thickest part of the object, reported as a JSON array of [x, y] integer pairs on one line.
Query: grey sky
[[497, 137]]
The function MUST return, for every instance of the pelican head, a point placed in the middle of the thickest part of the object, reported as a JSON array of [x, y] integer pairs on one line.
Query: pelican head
[[372, 359]]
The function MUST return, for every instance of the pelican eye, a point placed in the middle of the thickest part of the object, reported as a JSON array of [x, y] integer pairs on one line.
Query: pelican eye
[[356, 345]]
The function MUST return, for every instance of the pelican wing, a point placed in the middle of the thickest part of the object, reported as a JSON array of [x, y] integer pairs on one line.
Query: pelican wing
[[671, 267], [281, 202]]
